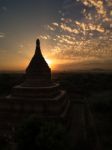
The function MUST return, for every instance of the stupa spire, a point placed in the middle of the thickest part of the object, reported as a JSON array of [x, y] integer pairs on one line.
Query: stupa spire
[[38, 69], [38, 49], [38, 43]]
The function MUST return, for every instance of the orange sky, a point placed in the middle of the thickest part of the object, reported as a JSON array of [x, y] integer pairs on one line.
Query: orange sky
[[75, 35]]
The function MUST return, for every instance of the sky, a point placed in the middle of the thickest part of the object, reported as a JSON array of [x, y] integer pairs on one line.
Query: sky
[[74, 34]]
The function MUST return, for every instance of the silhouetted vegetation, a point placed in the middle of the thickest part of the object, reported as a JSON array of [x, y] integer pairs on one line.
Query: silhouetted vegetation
[[41, 134], [4, 143], [95, 88]]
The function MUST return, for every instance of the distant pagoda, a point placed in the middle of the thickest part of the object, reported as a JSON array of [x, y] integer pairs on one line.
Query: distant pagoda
[[38, 94]]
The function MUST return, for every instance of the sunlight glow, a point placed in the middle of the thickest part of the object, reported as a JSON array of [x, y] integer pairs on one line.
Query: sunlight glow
[[50, 62]]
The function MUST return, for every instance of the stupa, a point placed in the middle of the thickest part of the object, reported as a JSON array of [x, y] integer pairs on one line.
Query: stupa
[[38, 93], [40, 96]]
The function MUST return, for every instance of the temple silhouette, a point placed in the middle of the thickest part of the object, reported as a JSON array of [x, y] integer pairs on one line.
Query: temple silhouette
[[38, 95]]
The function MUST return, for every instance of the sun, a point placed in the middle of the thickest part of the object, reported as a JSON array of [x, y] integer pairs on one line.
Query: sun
[[49, 62]]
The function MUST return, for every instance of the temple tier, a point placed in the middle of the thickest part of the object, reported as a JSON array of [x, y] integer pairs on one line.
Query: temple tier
[[38, 94]]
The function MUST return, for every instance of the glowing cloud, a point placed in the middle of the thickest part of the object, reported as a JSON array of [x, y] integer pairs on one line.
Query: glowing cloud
[[88, 37]]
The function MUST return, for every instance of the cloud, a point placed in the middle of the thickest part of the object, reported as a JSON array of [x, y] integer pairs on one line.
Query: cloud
[[68, 29], [45, 37], [3, 9], [2, 35], [87, 36], [51, 28], [55, 24]]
